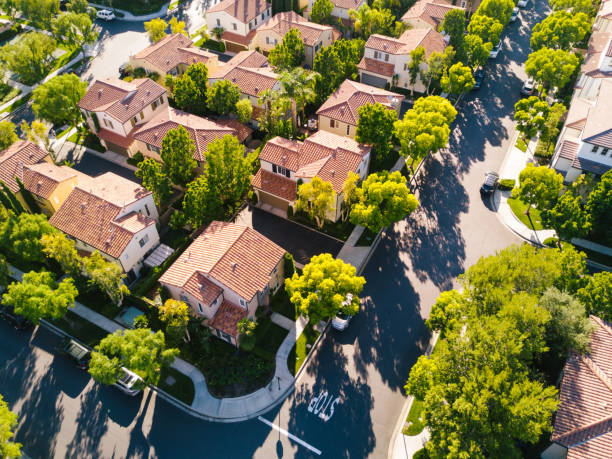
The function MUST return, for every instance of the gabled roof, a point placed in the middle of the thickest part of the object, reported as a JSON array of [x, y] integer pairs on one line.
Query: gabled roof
[[344, 103], [43, 178], [235, 256], [411, 39], [376, 66], [583, 423], [598, 127], [430, 11], [121, 99], [275, 184], [251, 81], [173, 50], [243, 10], [348, 4], [201, 130], [281, 23], [227, 317], [15, 157], [605, 11], [250, 59]]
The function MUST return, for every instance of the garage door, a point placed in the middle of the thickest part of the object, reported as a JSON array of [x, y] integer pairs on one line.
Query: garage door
[[274, 201], [234, 47], [116, 148], [372, 80]]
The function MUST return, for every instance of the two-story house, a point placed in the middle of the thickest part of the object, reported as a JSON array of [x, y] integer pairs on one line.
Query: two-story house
[[341, 9], [113, 108], [15, 158], [172, 55], [340, 113], [239, 19], [585, 143], [428, 14], [113, 215], [315, 36], [149, 136], [225, 275], [596, 67], [385, 61], [328, 156]]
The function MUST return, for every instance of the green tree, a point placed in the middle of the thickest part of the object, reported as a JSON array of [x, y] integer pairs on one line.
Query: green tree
[[37, 132], [421, 380], [74, 29], [417, 58], [500, 10], [274, 119], [177, 26], [30, 57], [560, 30], [530, 114], [7, 135], [596, 295], [550, 128], [321, 12], [175, 314], [336, 63], [350, 192], [156, 28], [326, 286], [316, 198], [477, 51], [189, 90], [568, 217], [368, 21], [177, 153], [552, 68], [383, 199], [434, 70], [448, 312], [61, 249], [21, 235], [457, 80], [11, 8], [290, 52], [4, 271], [155, 180], [80, 7], [222, 96], [297, 85], [577, 6], [485, 27], [246, 329], [244, 110], [139, 350], [8, 421], [106, 276], [454, 27], [38, 296], [599, 207], [200, 205], [56, 100], [40, 12], [375, 127], [538, 186]]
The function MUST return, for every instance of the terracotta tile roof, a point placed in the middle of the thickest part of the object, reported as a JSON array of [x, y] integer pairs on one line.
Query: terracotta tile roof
[[243, 10], [281, 23], [577, 113], [173, 50], [120, 99], [348, 4], [343, 105], [15, 157], [429, 39], [244, 40], [275, 184], [251, 81], [231, 255], [201, 130], [202, 289], [432, 12], [376, 66], [115, 189], [282, 152], [598, 127], [117, 139], [43, 178], [583, 423], [568, 149], [227, 317], [242, 131], [250, 59], [385, 44]]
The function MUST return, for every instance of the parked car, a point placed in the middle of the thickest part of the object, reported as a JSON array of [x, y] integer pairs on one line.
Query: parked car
[[490, 183], [495, 51], [78, 353], [129, 383], [18, 321], [105, 15], [514, 15], [341, 321], [479, 75], [522, 3], [528, 87]]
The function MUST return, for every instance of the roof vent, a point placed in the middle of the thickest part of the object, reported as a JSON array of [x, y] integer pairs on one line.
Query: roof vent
[[256, 89], [333, 173], [234, 79], [234, 266], [155, 135], [39, 185], [188, 257], [83, 205], [334, 154], [284, 159], [167, 61], [342, 110], [99, 93], [148, 92]]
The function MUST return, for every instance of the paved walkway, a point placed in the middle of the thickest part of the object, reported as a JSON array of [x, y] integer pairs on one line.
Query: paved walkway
[[283, 321], [406, 446]]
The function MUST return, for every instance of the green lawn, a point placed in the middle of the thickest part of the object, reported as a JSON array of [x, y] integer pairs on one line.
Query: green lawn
[[269, 338], [88, 139], [414, 417], [521, 145], [18, 103], [98, 302], [300, 351], [8, 93], [280, 303], [533, 221], [182, 388]]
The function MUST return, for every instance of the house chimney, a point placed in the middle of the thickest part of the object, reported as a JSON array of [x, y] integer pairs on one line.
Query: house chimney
[[83, 205], [99, 93], [234, 266]]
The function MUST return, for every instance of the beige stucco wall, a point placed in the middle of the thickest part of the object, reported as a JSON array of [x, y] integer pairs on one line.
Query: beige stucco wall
[[339, 129]]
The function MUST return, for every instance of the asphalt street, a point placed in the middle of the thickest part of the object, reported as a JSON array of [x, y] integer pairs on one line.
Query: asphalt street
[[349, 397]]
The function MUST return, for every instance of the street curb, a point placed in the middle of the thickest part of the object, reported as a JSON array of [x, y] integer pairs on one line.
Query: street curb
[[408, 403]]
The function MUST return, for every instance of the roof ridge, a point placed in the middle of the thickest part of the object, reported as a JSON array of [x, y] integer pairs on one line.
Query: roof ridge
[[581, 435], [244, 228], [602, 323], [597, 371]]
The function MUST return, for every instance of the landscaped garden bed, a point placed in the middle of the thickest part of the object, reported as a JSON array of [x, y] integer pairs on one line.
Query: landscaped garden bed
[[302, 347], [88, 139], [280, 304], [533, 220]]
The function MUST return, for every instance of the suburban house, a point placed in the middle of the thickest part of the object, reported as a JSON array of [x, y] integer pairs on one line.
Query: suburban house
[[429, 14], [114, 107], [239, 19], [315, 36], [148, 137], [225, 275], [385, 60], [113, 215], [341, 9], [328, 156], [603, 20], [173, 54], [339, 114], [596, 67], [50, 184], [14, 159], [583, 422], [585, 143]]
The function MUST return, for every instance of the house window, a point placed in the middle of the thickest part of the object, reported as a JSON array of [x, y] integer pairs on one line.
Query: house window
[[153, 148], [281, 170], [154, 105], [141, 115], [348, 129], [242, 303], [463, 3], [267, 40], [219, 22], [250, 26], [386, 58], [263, 16], [200, 308], [255, 21], [147, 209], [595, 148], [376, 54], [133, 122], [605, 151], [235, 27], [332, 123], [144, 240]]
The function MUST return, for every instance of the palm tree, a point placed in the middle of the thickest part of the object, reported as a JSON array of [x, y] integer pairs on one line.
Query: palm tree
[[298, 86]]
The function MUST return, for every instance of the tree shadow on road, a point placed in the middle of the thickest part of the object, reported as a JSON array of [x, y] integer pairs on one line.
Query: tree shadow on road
[[92, 426]]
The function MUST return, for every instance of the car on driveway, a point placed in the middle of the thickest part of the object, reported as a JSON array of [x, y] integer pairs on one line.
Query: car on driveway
[[129, 383], [78, 353], [341, 321], [490, 183], [16, 320], [528, 87], [495, 51], [479, 75], [514, 15], [105, 15]]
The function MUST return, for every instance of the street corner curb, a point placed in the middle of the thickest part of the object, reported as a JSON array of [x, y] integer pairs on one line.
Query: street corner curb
[[313, 351]]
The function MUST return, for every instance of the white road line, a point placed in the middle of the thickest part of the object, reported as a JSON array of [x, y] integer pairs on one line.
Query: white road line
[[291, 436]]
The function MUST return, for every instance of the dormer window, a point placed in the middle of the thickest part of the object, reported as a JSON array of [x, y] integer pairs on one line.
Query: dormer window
[[281, 170]]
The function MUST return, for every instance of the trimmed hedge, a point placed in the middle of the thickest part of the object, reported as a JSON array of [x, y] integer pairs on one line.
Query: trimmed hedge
[[507, 184]]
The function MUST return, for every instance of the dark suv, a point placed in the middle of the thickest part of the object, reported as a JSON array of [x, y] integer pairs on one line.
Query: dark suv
[[78, 353], [490, 183], [19, 322]]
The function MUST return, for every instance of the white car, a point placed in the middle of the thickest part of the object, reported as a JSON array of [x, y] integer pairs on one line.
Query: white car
[[341, 321], [514, 15], [495, 51], [522, 3], [129, 383], [106, 15]]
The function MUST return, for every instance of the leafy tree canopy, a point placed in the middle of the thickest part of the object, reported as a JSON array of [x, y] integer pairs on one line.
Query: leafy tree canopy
[[106, 276], [30, 57], [321, 12], [156, 28], [56, 100], [222, 96], [21, 235], [317, 198], [596, 295], [553, 68], [560, 30], [7, 135], [189, 90], [177, 153], [290, 52], [155, 180], [539, 186], [8, 422]]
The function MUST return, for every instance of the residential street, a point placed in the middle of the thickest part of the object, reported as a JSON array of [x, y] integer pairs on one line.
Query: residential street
[[359, 373]]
